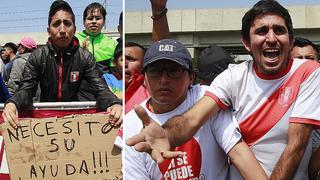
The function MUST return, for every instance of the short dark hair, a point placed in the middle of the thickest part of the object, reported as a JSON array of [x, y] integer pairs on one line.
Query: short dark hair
[[60, 5], [117, 52], [92, 6], [302, 42], [133, 44], [261, 8], [11, 46]]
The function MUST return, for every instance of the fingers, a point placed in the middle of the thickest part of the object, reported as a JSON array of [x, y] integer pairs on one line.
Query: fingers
[[10, 114], [142, 114], [172, 154], [157, 156], [85, 42], [135, 139], [142, 147], [115, 115]]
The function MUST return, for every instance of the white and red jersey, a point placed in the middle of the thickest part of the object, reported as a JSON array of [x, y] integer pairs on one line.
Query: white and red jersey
[[205, 156], [265, 105]]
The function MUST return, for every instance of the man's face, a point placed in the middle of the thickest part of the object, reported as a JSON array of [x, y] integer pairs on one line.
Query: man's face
[[6, 53], [61, 29], [133, 62], [168, 83], [306, 52], [269, 43], [94, 22]]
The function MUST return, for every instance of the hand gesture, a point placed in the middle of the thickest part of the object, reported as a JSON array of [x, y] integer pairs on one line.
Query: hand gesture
[[115, 114], [85, 43], [158, 5], [10, 114], [152, 139]]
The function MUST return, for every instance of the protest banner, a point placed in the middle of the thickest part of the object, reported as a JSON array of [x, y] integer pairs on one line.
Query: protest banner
[[68, 148]]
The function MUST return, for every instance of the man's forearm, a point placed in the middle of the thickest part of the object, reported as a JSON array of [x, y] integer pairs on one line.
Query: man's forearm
[[160, 26], [181, 128], [245, 162], [298, 138]]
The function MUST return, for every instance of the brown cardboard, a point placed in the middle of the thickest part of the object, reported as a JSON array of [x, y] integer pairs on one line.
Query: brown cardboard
[[77, 147]]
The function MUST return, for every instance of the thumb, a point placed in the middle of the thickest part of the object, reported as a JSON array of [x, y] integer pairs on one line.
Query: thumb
[[142, 114]]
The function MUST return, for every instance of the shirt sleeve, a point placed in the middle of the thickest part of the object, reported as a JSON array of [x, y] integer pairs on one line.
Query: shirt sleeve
[[225, 128], [220, 89], [306, 108], [135, 162]]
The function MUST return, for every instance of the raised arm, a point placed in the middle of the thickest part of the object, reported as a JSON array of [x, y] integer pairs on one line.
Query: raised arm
[[244, 160], [160, 28], [158, 141], [298, 138]]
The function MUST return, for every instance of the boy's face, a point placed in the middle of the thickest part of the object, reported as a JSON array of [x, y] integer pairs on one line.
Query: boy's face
[[94, 22], [61, 29], [269, 43]]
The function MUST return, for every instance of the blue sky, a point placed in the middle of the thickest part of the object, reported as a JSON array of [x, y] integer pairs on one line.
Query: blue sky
[[136, 5], [32, 15]]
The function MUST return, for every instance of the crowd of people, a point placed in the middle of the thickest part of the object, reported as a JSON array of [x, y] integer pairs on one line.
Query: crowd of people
[[256, 119]]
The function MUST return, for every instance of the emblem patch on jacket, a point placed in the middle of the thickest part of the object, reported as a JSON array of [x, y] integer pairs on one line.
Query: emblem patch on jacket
[[285, 96], [74, 76]]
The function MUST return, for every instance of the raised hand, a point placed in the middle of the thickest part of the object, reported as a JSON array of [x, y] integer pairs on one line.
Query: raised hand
[[158, 5], [152, 139]]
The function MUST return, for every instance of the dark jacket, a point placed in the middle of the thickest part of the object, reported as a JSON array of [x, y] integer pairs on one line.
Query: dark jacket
[[60, 75]]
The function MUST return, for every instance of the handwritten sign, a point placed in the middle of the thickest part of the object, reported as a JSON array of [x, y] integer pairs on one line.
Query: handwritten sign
[[77, 147]]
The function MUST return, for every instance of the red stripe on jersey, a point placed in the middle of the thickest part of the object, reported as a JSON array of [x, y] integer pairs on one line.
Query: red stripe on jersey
[[270, 112], [306, 121], [60, 80], [217, 100]]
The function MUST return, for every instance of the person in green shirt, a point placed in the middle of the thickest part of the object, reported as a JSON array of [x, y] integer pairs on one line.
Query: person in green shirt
[[100, 45]]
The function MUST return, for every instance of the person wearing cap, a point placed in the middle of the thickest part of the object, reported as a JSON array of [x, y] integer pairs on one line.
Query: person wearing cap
[[60, 67], [25, 47], [99, 44], [169, 78], [211, 62], [8, 56]]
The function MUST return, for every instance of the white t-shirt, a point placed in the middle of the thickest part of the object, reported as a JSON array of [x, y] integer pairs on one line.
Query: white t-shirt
[[265, 105], [205, 153]]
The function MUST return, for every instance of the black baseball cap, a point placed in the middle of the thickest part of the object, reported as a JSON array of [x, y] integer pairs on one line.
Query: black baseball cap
[[213, 61], [168, 49]]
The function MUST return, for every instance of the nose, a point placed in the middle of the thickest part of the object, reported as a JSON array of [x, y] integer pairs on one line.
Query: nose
[[271, 36], [164, 76]]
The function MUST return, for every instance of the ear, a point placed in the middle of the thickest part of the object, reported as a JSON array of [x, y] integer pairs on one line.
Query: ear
[[192, 78], [246, 44], [48, 30]]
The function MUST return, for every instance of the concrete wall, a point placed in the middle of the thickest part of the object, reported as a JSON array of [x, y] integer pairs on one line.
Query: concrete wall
[[198, 28]]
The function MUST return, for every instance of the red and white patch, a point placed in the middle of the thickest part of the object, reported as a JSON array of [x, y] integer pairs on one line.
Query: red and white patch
[[74, 76]]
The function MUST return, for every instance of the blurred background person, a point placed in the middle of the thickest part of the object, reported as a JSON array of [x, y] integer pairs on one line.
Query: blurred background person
[[25, 47]]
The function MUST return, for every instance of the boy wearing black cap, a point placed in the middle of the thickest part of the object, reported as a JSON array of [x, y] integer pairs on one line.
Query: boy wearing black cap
[[169, 78], [60, 67]]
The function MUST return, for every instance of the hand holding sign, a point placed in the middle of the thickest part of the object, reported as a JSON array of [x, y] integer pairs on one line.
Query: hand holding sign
[[152, 139], [10, 114]]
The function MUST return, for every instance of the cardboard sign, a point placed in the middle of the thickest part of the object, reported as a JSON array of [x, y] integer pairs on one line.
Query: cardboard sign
[[77, 147]]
